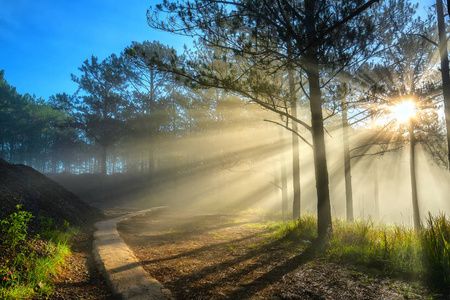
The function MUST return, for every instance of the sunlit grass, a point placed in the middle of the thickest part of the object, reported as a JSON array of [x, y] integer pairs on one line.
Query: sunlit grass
[[436, 251], [29, 274], [395, 251], [304, 228]]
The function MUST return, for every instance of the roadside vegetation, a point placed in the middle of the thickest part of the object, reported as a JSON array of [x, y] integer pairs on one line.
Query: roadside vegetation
[[29, 259], [395, 251]]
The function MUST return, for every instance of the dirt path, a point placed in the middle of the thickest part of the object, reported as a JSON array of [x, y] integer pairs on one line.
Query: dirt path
[[230, 256]]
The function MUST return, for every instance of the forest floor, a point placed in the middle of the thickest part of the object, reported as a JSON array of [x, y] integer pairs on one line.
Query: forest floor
[[235, 256]]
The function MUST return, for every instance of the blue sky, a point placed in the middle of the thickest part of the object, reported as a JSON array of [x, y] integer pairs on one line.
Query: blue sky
[[43, 41]]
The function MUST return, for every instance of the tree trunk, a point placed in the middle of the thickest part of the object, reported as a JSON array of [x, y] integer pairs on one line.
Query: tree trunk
[[444, 69], [295, 150], [376, 201], [67, 167], [151, 158], [376, 190], [347, 165], [324, 223], [103, 160], [54, 164], [284, 197], [412, 165]]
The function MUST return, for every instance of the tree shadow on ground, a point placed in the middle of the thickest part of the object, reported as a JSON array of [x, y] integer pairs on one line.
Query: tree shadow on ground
[[258, 261], [277, 273], [196, 251]]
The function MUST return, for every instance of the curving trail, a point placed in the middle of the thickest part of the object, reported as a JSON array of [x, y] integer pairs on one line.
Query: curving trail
[[121, 268]]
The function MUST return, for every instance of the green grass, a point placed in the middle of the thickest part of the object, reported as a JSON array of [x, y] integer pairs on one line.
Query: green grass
[[436, 251], [396, 251], [27, 265], [304, 228]]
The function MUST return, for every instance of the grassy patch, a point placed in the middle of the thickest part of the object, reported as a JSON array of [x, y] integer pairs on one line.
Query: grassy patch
[[436, 251], [304, 228], [392, 250], [27, 262]]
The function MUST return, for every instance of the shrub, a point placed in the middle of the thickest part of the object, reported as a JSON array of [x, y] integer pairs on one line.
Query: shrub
[[14, 227]]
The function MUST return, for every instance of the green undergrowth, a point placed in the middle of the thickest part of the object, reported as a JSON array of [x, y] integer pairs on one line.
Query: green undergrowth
[[436, 251], [396, 251], [28, 261], [304, 229]]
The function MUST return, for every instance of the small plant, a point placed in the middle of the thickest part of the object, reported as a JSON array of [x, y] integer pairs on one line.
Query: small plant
[[14, 227], [45, 225], [7, 277], [52, 233]]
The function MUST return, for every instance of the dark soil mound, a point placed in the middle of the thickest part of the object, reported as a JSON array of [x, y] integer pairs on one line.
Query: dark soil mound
[[42, 197]]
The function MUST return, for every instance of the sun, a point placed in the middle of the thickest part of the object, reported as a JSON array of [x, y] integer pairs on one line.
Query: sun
[[404, 111]]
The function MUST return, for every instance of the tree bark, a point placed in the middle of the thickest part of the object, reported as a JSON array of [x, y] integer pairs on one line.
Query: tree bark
[[284, 197], [347, 165], [444, 70], [376, 189], [295, 149], [412, 165], [324, 222]]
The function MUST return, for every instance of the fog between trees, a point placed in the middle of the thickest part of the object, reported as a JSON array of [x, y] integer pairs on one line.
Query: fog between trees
[[221, 124]]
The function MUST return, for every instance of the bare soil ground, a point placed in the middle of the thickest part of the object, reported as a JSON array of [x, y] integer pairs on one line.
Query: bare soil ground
[[232, 256]]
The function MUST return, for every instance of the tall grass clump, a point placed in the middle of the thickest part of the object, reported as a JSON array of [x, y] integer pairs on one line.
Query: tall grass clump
[[391, 249], [436, 251], [394, 250], [28, 261], [304, 228]]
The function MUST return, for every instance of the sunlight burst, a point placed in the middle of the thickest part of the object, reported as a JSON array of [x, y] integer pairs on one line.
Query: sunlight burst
[[404, 111]]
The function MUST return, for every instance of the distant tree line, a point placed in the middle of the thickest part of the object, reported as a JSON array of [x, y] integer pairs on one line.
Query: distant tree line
[[124, 112]]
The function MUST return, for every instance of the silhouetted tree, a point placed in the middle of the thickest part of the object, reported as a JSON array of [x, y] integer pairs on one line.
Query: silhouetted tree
[[444, 69], [103, 101]]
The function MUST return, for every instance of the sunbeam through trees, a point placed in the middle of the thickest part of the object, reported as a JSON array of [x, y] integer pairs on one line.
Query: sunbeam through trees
[[336, 109]]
